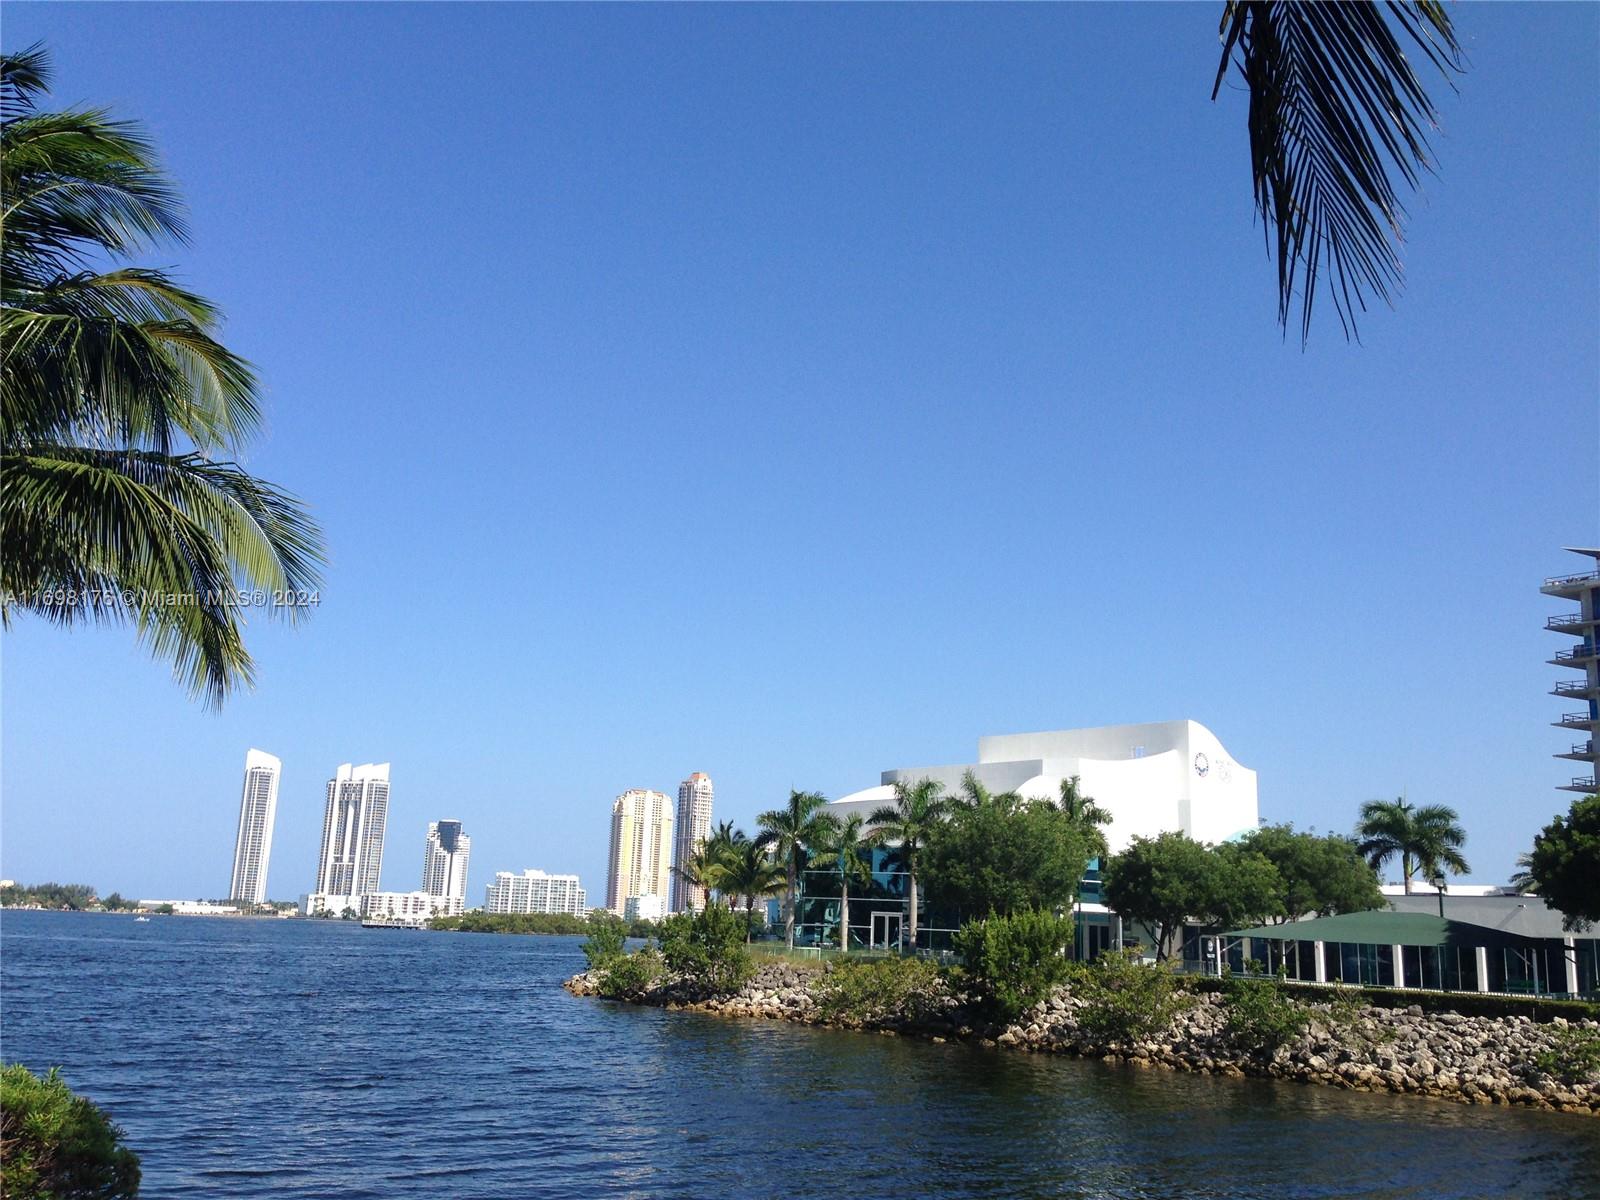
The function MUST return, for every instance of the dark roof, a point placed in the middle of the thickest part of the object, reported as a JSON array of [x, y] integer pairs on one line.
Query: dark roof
[[1383, 928]]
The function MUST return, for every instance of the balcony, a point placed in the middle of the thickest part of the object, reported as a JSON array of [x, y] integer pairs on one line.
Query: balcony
[[1575, 689], [1567, 622], [1579, 656], [1575, 720], [1580, 783], [1570, 586], [1582, 751]]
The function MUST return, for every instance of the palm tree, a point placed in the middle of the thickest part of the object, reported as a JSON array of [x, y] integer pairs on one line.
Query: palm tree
[[1336, 111], [842, 851], [701, 868], [1427, 840], [120, 412], [1088, 817], [917, 809], [789, 832], [1522, 880], [751, 873]]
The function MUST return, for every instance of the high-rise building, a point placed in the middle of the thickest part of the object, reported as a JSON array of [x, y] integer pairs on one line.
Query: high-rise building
[[1583, 624], [444, 860], [535, 892], [641, 847], [691, 829], [352, 834], [258, 807]]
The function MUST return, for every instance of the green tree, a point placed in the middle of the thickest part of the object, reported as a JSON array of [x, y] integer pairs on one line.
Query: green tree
[[1426, 840], [750, 874], [789, 832], [1167, 881], [996, 858], [707, 949], [58, 1146], [1322, 875], [1246, 889], [918, 810], [604, 944], [1013, 962], [847, 851], [120, 412], [1337, 112], [1565, 864], [1089, 817]]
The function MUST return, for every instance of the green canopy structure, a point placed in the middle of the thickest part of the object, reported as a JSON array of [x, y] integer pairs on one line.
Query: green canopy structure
[[1381, 927]]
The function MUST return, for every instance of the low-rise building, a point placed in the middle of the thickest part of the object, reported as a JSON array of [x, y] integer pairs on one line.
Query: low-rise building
[[408, 908], [649, 907], [535, 892]]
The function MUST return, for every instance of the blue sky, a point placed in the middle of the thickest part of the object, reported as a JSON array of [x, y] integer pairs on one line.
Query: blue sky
[[792, 393]]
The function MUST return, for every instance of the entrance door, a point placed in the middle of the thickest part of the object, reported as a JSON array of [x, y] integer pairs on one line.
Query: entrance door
[[885, 930]]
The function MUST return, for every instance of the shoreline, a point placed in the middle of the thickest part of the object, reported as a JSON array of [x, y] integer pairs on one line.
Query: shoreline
[[1404, 1051]]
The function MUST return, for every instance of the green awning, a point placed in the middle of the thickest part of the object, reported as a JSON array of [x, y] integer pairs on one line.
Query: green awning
[[1382, 927]]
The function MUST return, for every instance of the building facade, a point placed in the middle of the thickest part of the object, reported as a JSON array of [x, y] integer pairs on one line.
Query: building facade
[[408, 908], [350, 863], [1582, 623], [252, 848], [535, 892], [644, 908], [444, 860], [690, 830], [641, 847]]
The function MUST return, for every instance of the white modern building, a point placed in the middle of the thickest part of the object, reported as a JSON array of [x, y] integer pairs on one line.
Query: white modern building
[[641, 847], [408, 908], [252, 847], [644, 908], [1154, 778], [691, 828], [535, 892], [1582, 623], [351, 860], [444, 860]]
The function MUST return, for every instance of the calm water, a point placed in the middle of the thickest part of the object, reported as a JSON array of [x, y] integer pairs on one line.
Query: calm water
[[321, 1060]]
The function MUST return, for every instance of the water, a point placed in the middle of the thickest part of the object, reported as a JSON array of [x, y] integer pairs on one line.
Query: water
[[321, 1060]]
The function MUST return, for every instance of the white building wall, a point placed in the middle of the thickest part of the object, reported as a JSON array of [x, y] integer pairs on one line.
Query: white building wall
[[535, 892]]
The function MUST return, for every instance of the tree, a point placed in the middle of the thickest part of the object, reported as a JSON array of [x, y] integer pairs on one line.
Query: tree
[[1336, 111], [917, 810], [122, 413], [60, 1146], [841, 851], [1426, 840], [1522, 881], [750, 873], [1246, 889], [1565, 864], [1321, 875], [996, 858], [789, 832], [1088, 816]]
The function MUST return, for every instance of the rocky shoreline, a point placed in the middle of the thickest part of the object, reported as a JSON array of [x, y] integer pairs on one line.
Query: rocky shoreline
[[1445, 1055]]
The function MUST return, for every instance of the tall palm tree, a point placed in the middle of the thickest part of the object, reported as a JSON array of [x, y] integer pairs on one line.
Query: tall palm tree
[[121, 415], [917, 809], [701, 868], [750, 873], [1336, 113], [1088, 817], [1426, 840], [1522, 880], [789, 832], [842, 852]]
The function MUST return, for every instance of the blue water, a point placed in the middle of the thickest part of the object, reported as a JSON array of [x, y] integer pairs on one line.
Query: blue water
[[321, 1060]]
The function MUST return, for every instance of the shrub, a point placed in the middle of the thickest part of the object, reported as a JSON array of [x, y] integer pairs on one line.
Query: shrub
[[57, 1146], [1260, 1016], [604, 944], [1014, 962], [707, 949], [872, 990], [1573, 1055], [629, 976], [1125, 1001]]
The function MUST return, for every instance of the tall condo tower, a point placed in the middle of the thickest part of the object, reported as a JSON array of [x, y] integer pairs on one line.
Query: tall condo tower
[[1584, 657], [352, 831], [252, 849], [641, 847], [692, 828], [444, 860]]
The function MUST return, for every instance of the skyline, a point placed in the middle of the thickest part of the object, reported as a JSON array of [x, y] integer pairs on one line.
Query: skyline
[[938, 358]]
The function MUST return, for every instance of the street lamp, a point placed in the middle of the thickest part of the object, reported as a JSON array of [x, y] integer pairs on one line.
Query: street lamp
[[1438, 882]]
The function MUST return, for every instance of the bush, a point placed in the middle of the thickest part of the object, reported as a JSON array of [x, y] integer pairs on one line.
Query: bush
[[57, 1146], [604, 945], [707, 949], [629, 976], [1014, 962], [1125, 1001], [1260, 1016], [881, 989], [1573, 1056]]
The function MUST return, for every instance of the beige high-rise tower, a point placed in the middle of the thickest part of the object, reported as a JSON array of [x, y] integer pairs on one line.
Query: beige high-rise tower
[[641, 847], [692, 828]]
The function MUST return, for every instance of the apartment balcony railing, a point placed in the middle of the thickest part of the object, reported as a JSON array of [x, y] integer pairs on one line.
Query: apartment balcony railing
[[1576, 655], [1581, 748], [1568, 580], [1581, 783], [1570, 620], [1573, 688], [1575, 720]]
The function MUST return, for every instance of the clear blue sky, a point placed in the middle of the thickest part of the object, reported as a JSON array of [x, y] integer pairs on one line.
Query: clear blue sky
[[792, 393]]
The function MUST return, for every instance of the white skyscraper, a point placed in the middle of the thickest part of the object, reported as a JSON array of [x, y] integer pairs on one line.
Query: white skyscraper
[[444, 860], [641, 847], [352, 834], [534, 892], [693, 826], [258, 806]]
